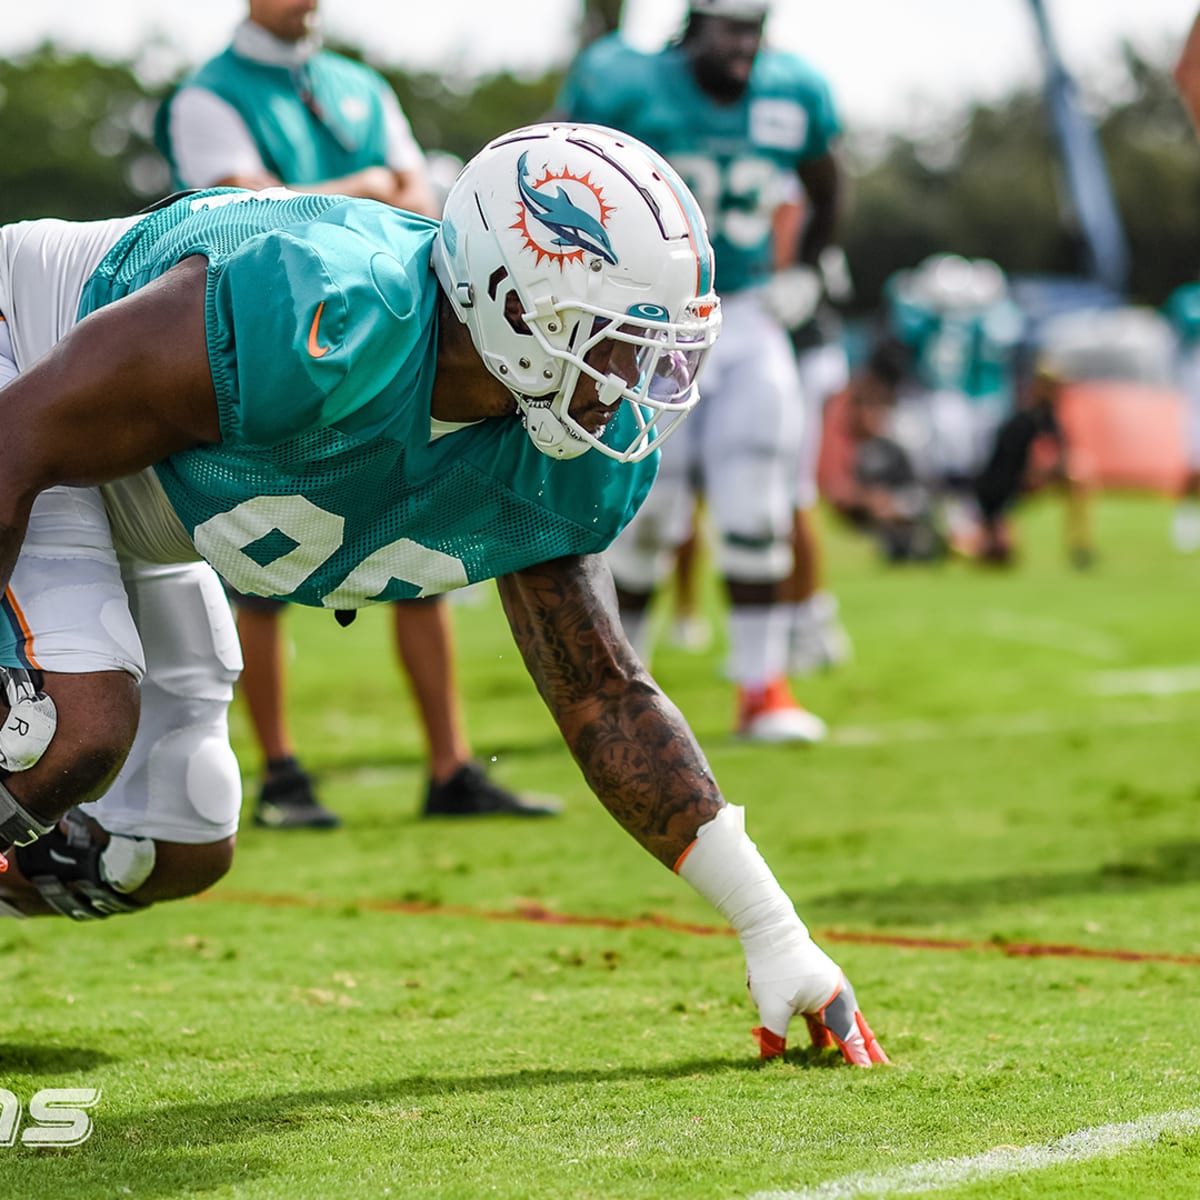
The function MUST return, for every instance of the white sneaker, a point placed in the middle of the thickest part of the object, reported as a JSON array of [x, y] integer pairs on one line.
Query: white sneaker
[[1185, 528], [693, 635], [819, 640], [771, 715]]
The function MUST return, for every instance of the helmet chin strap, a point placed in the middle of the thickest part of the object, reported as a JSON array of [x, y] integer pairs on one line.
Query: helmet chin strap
[[611, 391], [548, 433]]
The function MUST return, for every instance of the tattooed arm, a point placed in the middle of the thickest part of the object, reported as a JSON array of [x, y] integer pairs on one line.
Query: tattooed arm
[[636, 750]]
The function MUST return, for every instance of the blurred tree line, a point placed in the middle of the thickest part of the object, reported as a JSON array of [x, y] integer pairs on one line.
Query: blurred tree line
[[77, 134]]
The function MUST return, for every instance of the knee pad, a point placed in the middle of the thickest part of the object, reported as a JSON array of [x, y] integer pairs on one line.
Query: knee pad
[[749, 559], [31, 721], [182, 768], [181, 781], [81, 880]]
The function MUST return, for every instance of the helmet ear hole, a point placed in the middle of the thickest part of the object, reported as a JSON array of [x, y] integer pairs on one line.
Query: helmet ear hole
[[514, 314]]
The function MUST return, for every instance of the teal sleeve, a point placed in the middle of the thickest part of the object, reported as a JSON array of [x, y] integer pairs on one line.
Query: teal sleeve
[[296, 341], [813, 93]]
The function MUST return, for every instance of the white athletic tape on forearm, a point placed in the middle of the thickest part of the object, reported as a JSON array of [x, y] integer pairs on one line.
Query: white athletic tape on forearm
[[725, 867]]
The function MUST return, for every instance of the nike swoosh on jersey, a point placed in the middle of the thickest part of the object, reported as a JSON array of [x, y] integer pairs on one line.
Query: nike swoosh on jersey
[[314, 347], [60, 858]]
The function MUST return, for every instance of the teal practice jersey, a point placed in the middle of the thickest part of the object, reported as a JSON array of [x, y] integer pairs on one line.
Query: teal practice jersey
[[735, 157], [972, 352], [327, 487]]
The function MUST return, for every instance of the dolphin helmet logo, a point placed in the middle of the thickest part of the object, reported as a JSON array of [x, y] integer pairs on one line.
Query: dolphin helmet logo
[[563, 216]]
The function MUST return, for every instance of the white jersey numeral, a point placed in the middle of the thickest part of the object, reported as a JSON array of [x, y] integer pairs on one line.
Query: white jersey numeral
[[738, 198], [223, 540]]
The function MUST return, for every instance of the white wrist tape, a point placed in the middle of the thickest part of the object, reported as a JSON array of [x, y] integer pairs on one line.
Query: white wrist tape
[[786, 970], [725, 867]]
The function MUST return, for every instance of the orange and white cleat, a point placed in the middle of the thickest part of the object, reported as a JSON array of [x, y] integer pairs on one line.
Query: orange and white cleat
[[771, 714], [837, 1022]]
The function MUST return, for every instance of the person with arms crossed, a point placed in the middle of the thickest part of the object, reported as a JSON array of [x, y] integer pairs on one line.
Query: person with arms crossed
[[275, 107], [735, 120], [488, 402]]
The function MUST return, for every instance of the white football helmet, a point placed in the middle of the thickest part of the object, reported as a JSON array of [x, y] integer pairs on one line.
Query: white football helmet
[[579, 262], [951, 283]]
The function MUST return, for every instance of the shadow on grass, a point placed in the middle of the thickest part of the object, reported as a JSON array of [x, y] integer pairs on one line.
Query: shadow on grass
[[339, 770], [18, 1058], [917, 903], [199, 1146]]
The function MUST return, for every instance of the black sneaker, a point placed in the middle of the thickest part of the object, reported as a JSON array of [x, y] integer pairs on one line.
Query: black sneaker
[[470, 793], [287, 801]]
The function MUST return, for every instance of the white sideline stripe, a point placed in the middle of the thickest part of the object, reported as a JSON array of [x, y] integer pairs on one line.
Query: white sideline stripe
[[1150, 681], [1102, 1141], [1031, 724]]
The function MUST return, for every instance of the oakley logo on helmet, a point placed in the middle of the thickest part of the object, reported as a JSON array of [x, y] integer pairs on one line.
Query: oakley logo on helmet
[[571, 207]]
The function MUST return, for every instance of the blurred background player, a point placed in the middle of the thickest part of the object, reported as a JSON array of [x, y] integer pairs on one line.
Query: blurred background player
[[736, 120], [963, 333], [1030, 451], [275, 108], [866, 473]]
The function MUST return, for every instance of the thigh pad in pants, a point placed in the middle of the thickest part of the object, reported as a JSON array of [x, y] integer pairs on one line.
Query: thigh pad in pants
[[181, 781], [751, 442]]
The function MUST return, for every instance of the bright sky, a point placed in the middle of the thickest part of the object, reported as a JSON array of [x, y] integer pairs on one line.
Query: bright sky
[[889, 61]]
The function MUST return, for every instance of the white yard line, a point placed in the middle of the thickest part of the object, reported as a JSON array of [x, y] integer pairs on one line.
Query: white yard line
[[1101, 1141], [1149, 681]]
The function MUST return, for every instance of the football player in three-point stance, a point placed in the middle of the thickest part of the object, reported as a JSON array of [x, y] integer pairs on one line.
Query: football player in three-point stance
[[740, 124], [339, 403]]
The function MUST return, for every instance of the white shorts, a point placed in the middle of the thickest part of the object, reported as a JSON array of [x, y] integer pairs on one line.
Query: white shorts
[[44, 266]]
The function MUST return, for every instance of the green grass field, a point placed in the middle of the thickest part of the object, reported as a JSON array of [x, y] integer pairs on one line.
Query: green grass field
[[1013, 764]]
